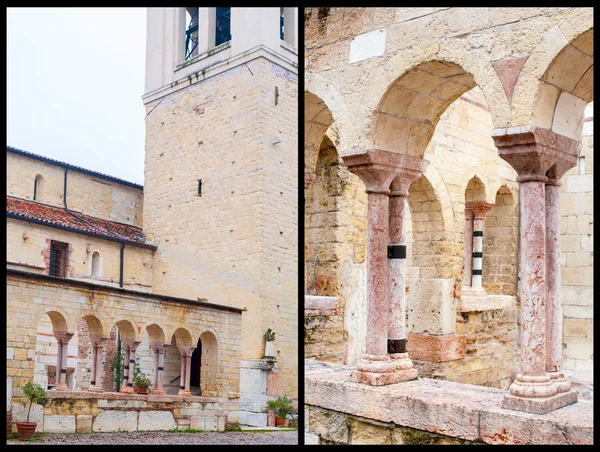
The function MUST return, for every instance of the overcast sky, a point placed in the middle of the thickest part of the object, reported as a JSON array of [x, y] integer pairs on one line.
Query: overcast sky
[[75, 81]]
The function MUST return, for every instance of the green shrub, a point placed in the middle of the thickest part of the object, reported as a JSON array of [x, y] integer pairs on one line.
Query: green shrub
[[282, 406]]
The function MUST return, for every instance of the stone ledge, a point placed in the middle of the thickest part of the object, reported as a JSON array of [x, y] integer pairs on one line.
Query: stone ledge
[[319, 305], [485, 303], [463, 411], [121, 396]]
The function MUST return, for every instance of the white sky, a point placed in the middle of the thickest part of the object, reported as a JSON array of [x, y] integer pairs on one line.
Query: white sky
[[75, 79]]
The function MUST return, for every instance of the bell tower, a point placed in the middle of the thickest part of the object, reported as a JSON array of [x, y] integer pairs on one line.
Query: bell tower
[[221, 175]]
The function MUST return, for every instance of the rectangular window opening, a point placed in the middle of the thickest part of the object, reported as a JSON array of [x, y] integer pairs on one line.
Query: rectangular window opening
[[282, 23], [58, 259], [191, 33], [222, 26]]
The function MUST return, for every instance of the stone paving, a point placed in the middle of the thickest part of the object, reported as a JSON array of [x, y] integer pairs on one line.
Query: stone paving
[[238, 438]]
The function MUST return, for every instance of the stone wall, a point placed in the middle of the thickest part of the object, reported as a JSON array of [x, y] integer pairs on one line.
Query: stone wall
[[81, 412], [31, 298], [89, 194], [577, 258], [31, 255], [236, 244]]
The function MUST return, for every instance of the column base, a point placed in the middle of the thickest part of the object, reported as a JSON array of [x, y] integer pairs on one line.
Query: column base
[[539, 405], [384, 370], [562, 383], [127, 390], [184, 393], [470, 291], [95, 389]]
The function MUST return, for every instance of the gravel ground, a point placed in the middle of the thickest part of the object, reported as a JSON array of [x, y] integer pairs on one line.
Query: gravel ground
[[237, 438]]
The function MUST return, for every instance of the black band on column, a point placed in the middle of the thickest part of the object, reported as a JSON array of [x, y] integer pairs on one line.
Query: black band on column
[[160, 368], [132, 361], [396, 345], [477, 254], [63, 371], [476, 272], [477, 233], [396, 251], [93, 382], [130, 384], [181, 387], [126, 367]]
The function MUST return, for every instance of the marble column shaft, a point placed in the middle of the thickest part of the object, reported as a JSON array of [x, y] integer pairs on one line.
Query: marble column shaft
[[63, 338], [467, 274], [126, 369]]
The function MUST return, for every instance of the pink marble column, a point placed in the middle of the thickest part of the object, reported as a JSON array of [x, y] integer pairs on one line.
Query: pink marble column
[[397, 268], [186, 369], [129, 365], [532, 151], [554, 313], [159, 360], [98, 348], [468, 246], [377, 169], [63, 338]]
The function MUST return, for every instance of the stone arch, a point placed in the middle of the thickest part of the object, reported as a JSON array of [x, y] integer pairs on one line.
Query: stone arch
[[156, 332], [61, 321], [475, 190], [209, 367], [405, 117], [95, 323], [429, 236], [128, 329], [182, 336], [318, 118], [500, 243], [556, 81]]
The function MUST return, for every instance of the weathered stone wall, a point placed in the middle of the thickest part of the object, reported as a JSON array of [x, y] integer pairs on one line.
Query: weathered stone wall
[[236, 244], [81, 412], [30, 297], [30, 255], [91, 195], [577, 258]]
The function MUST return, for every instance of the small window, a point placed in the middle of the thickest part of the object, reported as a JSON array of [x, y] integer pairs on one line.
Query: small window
[[59, 253], [191, 33], [37, 187], [96, 264], [281, 23], [222, 26], [287, 26]]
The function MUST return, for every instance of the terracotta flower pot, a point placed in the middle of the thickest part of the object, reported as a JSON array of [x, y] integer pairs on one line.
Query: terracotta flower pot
[[280, 421], [142, 390], [26, 430]]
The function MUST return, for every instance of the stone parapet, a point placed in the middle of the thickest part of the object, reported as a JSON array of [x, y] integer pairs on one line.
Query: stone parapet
[[459, 411], [436, 348]]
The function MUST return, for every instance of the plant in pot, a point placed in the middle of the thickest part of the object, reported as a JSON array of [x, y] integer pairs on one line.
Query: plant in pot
[[36, 394], [269, 345], [142, 382], [282, 407]]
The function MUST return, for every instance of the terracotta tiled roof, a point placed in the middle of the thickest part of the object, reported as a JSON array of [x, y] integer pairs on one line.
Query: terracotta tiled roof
[[85, 223]]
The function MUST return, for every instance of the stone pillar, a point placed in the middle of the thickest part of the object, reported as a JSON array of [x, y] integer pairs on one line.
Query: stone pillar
[[129, 365], [479, 211], [377, 169], [63, 338], [467, 274], [397, 267], [98, 348], [186, 369], [159, 360], [532, 152], [554, 313]]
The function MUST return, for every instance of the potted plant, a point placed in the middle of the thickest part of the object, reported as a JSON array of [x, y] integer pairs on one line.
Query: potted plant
[[269, 346], [282, 407], [142, 382], [36, 394]]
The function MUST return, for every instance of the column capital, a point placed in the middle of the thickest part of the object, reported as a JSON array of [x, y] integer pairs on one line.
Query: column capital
[[478, 208], [159, 347], [131, 344], [533, 151], [378, 168], [98, 340], [186, 350], [309, 177], [63, 336], [412, 168]]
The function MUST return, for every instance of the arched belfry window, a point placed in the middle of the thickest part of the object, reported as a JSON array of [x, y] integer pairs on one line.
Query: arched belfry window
[[191, 33], [222, 26], [37, 187], [96, 264]]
